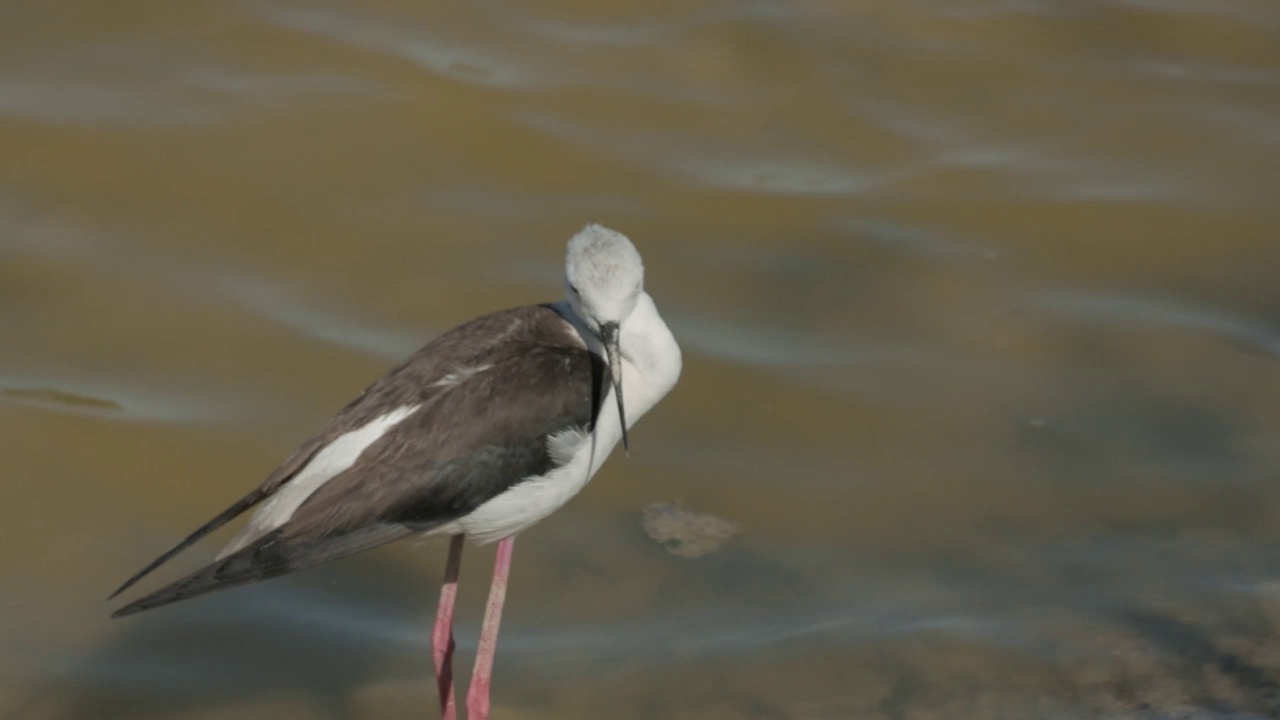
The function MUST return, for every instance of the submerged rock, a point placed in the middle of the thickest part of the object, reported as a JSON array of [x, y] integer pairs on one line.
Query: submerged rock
[[683, 532]]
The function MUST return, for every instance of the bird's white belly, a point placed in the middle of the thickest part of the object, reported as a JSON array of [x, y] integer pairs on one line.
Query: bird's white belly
[[577, 456], [532, 499]]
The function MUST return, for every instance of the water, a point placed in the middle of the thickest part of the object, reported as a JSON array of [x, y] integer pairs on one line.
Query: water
[[977, 298]]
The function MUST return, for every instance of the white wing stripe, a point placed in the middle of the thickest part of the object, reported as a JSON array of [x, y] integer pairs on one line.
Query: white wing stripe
[[333, 459]]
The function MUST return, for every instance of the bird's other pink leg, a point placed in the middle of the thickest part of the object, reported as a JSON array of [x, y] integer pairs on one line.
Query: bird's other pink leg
[[442, 635], [478, 693]]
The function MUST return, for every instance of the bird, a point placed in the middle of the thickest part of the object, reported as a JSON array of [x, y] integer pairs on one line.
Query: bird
[[482, 432]]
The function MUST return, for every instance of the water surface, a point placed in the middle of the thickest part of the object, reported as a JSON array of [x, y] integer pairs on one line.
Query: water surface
[[978, 302]]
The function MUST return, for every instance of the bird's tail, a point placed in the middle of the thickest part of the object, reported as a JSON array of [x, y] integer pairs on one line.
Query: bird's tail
[[271, 556], [223, 518]]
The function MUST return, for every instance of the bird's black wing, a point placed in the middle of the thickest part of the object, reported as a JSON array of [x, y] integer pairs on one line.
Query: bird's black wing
[[467, 442]]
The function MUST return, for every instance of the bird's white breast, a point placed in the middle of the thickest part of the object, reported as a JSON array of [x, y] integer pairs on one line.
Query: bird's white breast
[[532, 499], [577, 455], [651, 366]]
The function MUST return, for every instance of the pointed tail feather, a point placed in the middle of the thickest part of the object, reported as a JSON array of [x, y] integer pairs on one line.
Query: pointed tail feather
[[269, 557], [225, 517]]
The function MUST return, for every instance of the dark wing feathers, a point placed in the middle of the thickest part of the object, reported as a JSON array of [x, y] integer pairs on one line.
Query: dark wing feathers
[[226, 516], [467, 445], [467, 442], [271, 556], [257, 495]]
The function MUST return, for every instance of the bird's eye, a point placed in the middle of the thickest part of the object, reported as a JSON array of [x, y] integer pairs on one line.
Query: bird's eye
[[573, 289]]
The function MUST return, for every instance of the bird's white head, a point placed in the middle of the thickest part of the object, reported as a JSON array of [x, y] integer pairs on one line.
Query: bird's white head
[[604, 278]]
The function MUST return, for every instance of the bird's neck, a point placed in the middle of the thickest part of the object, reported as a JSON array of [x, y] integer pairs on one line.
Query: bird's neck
[[649, 350], [651, 353]]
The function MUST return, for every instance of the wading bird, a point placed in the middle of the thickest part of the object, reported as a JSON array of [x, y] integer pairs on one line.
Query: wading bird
[[478, 435]]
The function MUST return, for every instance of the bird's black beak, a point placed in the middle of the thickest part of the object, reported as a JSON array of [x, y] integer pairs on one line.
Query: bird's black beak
[[609, 334]]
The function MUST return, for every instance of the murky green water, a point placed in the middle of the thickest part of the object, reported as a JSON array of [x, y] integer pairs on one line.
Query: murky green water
[[978, 301]]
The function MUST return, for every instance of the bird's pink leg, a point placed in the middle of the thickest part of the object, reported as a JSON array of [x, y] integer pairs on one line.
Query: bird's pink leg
[[478, 693], [442, 635]]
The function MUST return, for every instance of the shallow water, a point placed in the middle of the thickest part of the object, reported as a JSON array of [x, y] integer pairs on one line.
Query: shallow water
[[978, 305]]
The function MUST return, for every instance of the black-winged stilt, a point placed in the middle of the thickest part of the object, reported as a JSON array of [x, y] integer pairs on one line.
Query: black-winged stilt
[[478, 435]]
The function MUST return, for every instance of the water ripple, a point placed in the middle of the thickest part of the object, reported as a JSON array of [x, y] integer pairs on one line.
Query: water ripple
[[714, 162], [754, 346], [1041, 167], [1145, 311], [637, 33], [473, 65], [916, 240], [111, 400], [69, 103], [278, 305]]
